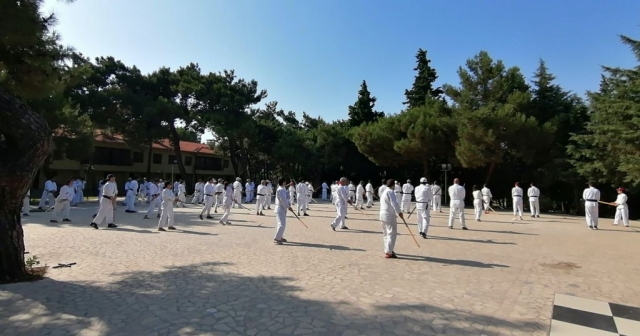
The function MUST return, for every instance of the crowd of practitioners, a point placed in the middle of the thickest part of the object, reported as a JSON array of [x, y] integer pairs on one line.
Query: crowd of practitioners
[[395, 201]]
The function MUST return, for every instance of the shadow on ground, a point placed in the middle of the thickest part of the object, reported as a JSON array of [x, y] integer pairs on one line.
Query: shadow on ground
[[202, 299]]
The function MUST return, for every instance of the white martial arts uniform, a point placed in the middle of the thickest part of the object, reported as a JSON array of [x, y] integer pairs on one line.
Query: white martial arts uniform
[[360, 197], [26, 205], [477, 204], [534, 201], [516, 194], [389, 208], [591, 197], [301, 194], [437, 198], [105, 212], [342, 198], [237, 194], [292, 194], [407, 189], [197, 193], [456, 204], [182, 195], [369, 190], [209, 196], [166, 216], [227, 201], [486, 198], [622, 210], [154, 199], [48, 197], [219, 197], [247, 192], [324, 191], [63, 203], [352, 192], [131, 195], [282, 204], [260, 198], [424, 196]]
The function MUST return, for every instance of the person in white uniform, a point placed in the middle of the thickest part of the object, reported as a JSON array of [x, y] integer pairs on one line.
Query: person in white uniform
[[154, 199], [369, 190], [424, 196], [227, 202], [63, 203], [591, 197], [389, 209], [168, 197], [237, 193], [407, 189], [26, 203], [48, 194], [398, 189], [486, 198], [268, 191], [310, 193], [131, 196], [534, 200], [516, 195], [342, 199], [352, 191], [477, 203], [107, 202], [209, 195], [282, 205], [182, 195], [622, 211], [247, 191], [437, 197], [360, 196], [219, 195], [301, 194], [325, 187], [456, 203], [382, 188], [260, 197], [292, 193], [197, 193]]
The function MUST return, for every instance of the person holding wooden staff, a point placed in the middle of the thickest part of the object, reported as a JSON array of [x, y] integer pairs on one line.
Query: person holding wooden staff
[[282, 205], [622, 210], [591, 198], [389, 208], [424, 196]]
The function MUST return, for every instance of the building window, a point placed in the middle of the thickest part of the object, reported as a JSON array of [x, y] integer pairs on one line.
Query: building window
[[208, 163], [112, 156], [188, 161], [225, 164], [138, 157], [172, 159], [157, 158]]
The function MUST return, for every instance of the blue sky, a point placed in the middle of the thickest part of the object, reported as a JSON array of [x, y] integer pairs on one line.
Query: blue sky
[[312, 55]]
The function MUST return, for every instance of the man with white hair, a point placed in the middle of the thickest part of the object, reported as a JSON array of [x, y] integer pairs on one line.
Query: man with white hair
[[424, 196], [325, 187], [260, 197], [269, 194], [407, 189], [389, 209], [237, 193], [342, 199], [247, 191], [301, 195], [456, 205]]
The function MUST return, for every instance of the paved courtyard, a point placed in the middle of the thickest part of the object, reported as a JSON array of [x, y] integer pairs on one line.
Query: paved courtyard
[[498, 278]]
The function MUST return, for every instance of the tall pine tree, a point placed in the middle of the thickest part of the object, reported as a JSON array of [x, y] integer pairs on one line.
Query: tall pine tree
[[362, 110], [423, 85], [609, 150]]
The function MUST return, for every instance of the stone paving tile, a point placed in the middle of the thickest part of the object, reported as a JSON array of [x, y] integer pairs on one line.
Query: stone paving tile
[[498, 278]]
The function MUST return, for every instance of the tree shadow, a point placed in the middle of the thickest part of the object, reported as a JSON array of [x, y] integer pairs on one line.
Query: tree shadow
[[322, 246], [486, 241], [449, 262], [205, 299]]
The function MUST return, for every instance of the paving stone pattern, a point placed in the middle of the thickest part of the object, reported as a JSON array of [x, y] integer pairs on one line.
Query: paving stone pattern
[[498, 278]]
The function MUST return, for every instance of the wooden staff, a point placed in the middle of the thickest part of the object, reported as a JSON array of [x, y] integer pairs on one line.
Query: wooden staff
[[410, 232], [414, 209], [305, 225], [607, 203], [240, 205], [362, 212]]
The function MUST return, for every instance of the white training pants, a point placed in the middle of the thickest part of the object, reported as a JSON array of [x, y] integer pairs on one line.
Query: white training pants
[[259, 204], [267, 201], [302, 204], [281, 223], [47, 197], [324, 194], [369, 199], [517, 206], [218, 199], [456, 208], [341, 212], [166, 217], [359, 201], [406, 203], [591, 213], [423, 219], [59, 207], [105, 211], [477, 207], [227, 211], [622, 213], [436, 203], [534, 204], [389, 234], [153, 204], [487, 202], [26, 206], [208, 203], [237, 196]]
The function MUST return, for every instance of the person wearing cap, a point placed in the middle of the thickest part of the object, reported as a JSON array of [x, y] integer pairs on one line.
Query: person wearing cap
[[424, 196], [369, 189], [407, 189], [107, 202], [534, 200], [516, 195], [352, 191], [486, 198], [437, 197], [389, 209], [477, 202], [622, 211], [209, 197], [456, 203], [237, 193], [591, 198], [360, 195]]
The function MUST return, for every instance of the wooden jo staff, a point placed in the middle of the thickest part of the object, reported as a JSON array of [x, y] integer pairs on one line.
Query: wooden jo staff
[[410, 232], [305, 225], [607, 203]]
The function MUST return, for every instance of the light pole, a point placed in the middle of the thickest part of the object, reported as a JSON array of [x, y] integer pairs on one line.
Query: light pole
[[446, 167]]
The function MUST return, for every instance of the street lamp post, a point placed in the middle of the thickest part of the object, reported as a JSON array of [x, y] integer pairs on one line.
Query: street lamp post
[[446, 167]]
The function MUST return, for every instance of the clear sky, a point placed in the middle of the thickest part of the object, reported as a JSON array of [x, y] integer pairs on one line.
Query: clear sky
[[312, 55]]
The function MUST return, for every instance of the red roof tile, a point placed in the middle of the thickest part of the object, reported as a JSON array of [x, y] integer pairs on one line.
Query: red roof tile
[[185, 146]]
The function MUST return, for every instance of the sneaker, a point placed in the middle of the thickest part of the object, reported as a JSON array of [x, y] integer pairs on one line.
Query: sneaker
[[94, 225], [161, 229], [344, 228], [53, 221], [171, 228], [390, 255], [112, 225], [595, 227], [66, 220], [209, 217], [333, 228], [590, 227], [465, 228], [221, 222]]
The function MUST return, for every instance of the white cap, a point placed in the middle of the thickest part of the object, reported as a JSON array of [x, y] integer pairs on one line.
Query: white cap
[[423, 180]]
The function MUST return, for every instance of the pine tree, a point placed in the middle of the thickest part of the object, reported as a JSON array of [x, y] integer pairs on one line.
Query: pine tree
[[362, 110], [423, 85], [609, 150]]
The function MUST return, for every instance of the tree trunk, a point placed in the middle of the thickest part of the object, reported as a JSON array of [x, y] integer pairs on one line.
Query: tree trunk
[[425, 169], [232, 157], [492, 168], [149, 158], [25, 143], [175, 141]]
